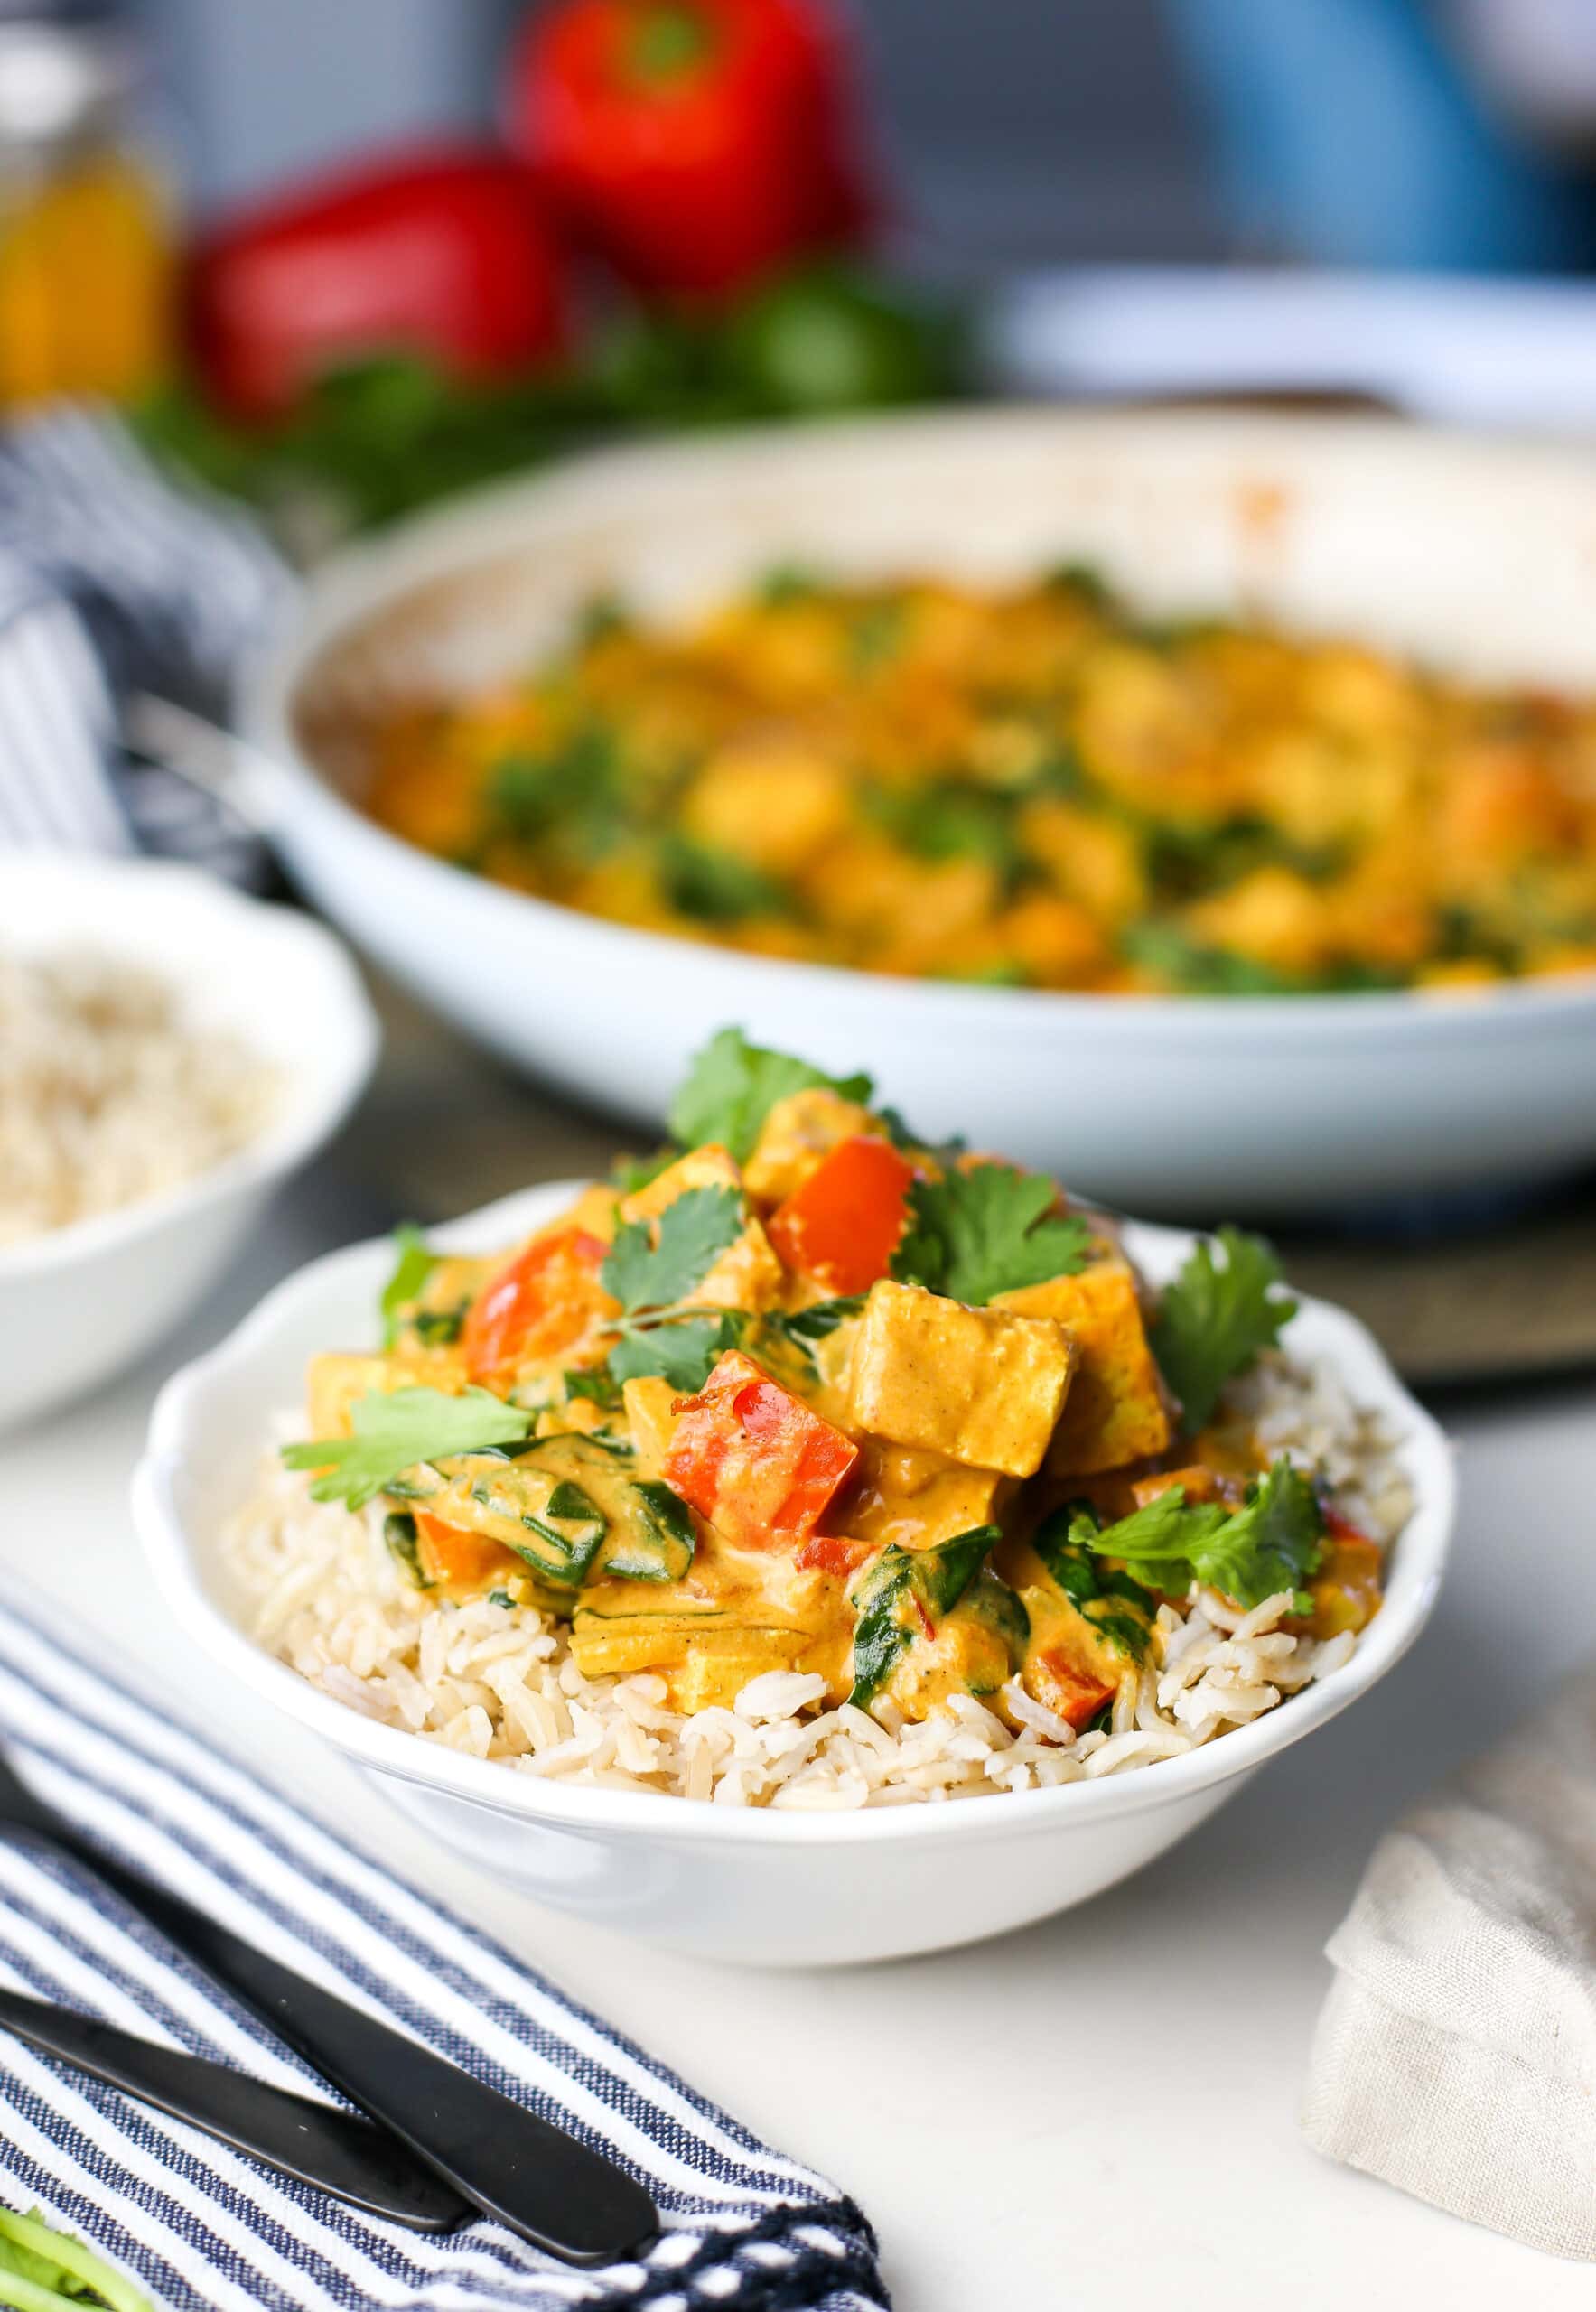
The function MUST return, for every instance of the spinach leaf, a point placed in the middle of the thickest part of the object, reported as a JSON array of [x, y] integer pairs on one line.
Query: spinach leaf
[[903, 1595]]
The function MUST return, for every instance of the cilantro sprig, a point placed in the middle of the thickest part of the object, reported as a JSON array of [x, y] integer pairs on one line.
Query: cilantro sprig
[[414, 1263], [654, 1271], [1214, 1319], [732, 1086], [1273, 1542], [985, 1230], [397, 1430]]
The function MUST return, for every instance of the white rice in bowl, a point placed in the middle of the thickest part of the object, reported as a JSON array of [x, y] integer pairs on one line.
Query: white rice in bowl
[[499, 1682]]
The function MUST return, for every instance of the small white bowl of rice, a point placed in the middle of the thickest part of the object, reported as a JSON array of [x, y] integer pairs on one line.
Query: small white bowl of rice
[[779, 1831], [170, 1052]]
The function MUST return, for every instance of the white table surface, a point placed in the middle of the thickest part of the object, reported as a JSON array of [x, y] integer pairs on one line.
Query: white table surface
[[1099, 2109]]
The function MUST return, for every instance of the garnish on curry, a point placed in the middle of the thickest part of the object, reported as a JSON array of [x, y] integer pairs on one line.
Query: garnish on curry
[[806, 1393], [1035, 787]]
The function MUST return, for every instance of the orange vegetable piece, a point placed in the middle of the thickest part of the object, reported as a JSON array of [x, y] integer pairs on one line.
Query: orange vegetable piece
[[840, 1227], [753, 1458], [544, 1301], [455, 1556], [835, 1553], [1061, 1685]]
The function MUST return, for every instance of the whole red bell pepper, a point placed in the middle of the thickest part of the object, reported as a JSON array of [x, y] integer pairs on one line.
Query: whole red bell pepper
[[446, 252], [697, 145]]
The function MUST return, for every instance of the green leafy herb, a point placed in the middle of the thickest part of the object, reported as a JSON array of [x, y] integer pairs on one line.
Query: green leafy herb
[[644, 1270], [1192, 969], [413, 1266], [660, 1538], [395, 1430], [572, 792], [570, 1525], [987, 1230], [594, 1382], [1273, 1542], [1113, 1601], [903, 1595], [1084, 579], [683, 1352], [500, 1597], [732, 1086], [806, 1326], [41, 2268], [716, 886], [1214, 1320], [786, 582], [398, 1531], [630, 1173], [952, 818]]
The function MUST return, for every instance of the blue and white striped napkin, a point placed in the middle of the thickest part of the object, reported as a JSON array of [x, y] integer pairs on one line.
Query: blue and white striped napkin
[[746, 2230], [111, 580]]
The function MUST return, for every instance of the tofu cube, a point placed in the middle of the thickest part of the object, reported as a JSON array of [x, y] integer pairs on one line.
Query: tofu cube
[[651, 1412], [748, 1275], [798, 1135], [1117, 1411], [985, 1386]]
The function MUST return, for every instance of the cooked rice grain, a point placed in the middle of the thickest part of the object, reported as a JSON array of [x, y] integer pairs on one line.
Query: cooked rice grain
[[499, 1682]]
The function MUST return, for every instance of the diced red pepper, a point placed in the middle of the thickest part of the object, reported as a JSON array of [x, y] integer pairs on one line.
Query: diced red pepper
[[835, 1553], [1060, 1685], [455, 1556], [699, 145], [445, 252], [544, 1301], [754, 1459], [841, 1227]]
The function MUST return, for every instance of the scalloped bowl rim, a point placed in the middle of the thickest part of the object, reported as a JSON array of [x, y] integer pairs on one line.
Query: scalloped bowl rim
[[1319, 1329]]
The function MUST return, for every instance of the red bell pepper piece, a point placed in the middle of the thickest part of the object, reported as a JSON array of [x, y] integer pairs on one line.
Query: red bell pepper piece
[[1074, 1694], [546, 1297], [840, 1227], [753, 1459], [445, 252], [698, 144]]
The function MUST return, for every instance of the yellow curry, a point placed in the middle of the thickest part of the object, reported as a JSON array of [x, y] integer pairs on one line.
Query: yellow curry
[[810, 1394], [1033, 788]]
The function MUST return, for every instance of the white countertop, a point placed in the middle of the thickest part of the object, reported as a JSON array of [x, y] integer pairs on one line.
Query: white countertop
[[1101, 2108]]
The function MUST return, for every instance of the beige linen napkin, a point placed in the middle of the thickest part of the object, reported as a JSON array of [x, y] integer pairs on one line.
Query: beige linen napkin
[[1456, 2054]]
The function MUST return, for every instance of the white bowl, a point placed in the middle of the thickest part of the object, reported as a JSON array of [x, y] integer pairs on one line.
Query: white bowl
[[740, 1884], [77, 1303], [1474, 554]]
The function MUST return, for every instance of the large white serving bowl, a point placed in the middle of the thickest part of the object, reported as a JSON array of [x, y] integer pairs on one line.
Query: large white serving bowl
[[1479, 555], [83, 1300], [748, 1885]]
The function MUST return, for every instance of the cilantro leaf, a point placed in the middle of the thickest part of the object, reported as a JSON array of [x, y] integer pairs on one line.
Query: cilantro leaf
[[732, 1086], [987, 1230], [394, 1430], [683, 1353], [1212, 1321], [1274, 1542], [594, 1384], [645, 1272], [415, 1264]]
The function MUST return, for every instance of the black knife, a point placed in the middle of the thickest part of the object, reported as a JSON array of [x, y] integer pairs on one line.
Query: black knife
[[314, 2143], [563, 2196]]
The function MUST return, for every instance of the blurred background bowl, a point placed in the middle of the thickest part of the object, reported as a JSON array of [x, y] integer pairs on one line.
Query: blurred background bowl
[[1472, 554], [80, 1301]]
